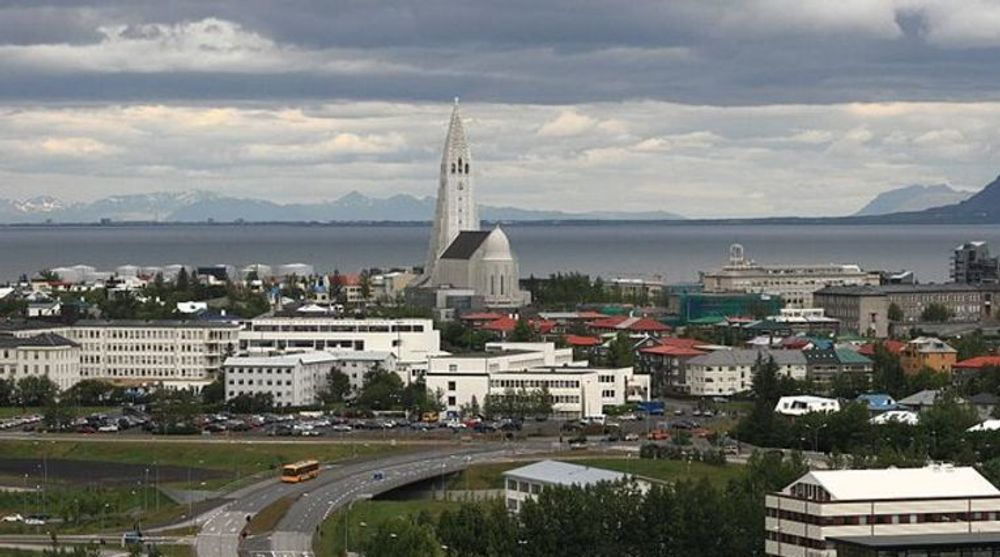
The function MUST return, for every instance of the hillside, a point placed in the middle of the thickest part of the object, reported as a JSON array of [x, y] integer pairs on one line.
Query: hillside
[[912, 198]]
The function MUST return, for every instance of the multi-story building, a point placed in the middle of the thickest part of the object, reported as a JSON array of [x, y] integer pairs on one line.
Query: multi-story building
[[824, 365], [174, 354], [691, 304], [727, 372], [576, 390], [802, 518], [865, 309], [971, 264], [527, 482], [291, 379], [637, 288], [927, 352], [357, 364], [795, 284], [46, 354], [411, 341]]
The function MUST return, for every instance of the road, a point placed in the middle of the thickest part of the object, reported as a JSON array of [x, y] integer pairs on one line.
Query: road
[[220, 532]]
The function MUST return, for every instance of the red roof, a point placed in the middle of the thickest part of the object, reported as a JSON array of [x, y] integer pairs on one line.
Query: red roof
[[345, 280], [481, 316], [590, 315], [634, 324], [577, 340], [979, 362], [502, 325], [681, 342], [894, 346], [675, 351], [543, 326]]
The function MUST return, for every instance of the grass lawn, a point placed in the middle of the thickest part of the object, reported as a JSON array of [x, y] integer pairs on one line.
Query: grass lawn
[[330, 540], [490, 476], [240, 457], [176, 550], [269, 516]]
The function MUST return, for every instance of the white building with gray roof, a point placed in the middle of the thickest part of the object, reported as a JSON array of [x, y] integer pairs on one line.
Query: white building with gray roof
[[527, 482], [727, 372]]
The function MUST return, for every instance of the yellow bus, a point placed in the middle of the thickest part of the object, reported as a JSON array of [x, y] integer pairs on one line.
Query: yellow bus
[[300, 471]]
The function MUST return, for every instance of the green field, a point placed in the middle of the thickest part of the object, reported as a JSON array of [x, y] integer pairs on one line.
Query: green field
[[490, 476], [240, 457], [364, 516]]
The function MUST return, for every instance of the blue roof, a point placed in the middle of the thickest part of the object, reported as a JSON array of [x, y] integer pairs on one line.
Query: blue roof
[[878, 401]]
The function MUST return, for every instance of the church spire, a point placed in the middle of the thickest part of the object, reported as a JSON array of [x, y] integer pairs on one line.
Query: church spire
[[456, 205]]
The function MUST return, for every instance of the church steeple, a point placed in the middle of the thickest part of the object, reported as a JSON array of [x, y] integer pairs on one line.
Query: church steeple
[[456, 205]]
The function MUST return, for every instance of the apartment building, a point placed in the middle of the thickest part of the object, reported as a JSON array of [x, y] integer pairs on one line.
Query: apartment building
[[46, 354], [802, 519], [174, 354], [727, 372], [292, 379], [795, 284]]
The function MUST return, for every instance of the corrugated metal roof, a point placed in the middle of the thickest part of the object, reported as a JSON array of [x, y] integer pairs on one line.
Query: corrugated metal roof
[[900, 483], [554, 472]]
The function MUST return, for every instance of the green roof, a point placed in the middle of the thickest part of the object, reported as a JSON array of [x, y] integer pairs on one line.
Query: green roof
[[707, 320], [848, 356]]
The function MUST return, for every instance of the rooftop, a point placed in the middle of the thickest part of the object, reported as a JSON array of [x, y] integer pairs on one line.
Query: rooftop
[[749, 356], [554, 472], [41, 340], [465, 244], [284, 360], [922, 540], [900, 483]]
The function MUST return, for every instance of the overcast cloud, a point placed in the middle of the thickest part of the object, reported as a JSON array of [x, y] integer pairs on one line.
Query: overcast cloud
[[706, 108]]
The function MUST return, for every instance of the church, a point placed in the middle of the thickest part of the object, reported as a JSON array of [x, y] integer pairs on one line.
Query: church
[[462, 260]]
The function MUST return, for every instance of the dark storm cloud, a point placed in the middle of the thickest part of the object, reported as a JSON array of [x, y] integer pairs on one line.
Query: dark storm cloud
[[753, 52]]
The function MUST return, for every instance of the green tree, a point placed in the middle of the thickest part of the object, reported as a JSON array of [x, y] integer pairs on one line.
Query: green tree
[[887, 372], [247, 403], [215, 392], [336, 388], [37, 390], [522, 332], [89, 392], [402, 536], [382, 390], [8, 392], [57, 416], [895, 312], [182, 282], [620, 351], [416, 398], [365, 284], [174, 410], [936, 313], [971, 345]]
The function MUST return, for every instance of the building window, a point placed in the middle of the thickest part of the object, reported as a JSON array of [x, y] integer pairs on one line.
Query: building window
[[451, 385]]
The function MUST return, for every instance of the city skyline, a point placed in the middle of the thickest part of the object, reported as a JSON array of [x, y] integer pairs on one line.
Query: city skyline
[[808, 111]]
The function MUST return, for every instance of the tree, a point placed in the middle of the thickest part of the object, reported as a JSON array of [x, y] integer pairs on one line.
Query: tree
[[247, 403], [89, 392], [174, 410], [620, 351], [971, 345], [215, 392], [365, 284], [402, 536], [887, 372], [37, 390], [336, 388], [8, 392], [182, 283], [895, 312], [936, 313], [57, 416], [417, 399], [522, 332], [382, 390]]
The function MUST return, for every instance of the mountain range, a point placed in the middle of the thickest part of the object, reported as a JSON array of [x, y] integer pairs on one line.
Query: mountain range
[[912, 198], [201, 206]]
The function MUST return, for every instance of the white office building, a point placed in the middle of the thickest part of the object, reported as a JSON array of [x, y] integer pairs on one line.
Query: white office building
[[527, 482], [411, 341], [823, 504], [727, 372], [291, 379], [46, 354], [794, 283], [356, 364], [171, 354], [576, 390]]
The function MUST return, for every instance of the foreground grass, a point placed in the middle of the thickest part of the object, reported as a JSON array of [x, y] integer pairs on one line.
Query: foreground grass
[[269, 516], [364, 517], [490, 476], [240, 457]]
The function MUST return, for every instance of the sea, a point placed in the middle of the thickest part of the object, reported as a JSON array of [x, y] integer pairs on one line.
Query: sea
[[674, 251]]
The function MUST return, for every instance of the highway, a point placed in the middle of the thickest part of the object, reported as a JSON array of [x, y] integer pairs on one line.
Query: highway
[[315, 499]]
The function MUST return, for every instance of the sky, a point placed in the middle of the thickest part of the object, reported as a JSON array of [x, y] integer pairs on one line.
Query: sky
[[707, 108]]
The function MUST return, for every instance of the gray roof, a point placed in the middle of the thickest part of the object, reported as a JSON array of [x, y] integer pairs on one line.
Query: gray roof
[[749, 356], [465, 244], [41, 340], [921, 540], [926, 397], [897, 289], [160, 324], [984, 399], [554, 472]]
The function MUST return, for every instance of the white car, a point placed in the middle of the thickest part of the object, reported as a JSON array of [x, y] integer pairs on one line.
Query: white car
[[34, 521], [13, 518], [342, 428], [456, 425], [109, 428]]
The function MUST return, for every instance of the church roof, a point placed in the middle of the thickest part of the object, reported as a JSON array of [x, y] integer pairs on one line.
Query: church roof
[[465, 244]]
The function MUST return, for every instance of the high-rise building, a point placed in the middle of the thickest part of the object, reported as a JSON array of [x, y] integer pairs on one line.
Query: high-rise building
[[972, 264]]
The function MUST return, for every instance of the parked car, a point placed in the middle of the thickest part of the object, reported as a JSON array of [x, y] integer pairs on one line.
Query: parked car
[[108, 428], [631, 436], [679, 412], [13, 518], [34, 521], [341, 428]]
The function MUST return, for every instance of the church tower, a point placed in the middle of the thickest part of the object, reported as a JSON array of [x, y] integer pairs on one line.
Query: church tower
[[456, 205]]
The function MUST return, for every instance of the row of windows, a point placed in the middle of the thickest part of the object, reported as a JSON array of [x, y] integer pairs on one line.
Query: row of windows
[[260, 382], [892, 518], [523, 486], [260, 370], [800, 541], [534, 384], [300, 328]]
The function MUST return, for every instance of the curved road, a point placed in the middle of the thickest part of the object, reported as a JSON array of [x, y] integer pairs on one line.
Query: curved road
[[315, 499]]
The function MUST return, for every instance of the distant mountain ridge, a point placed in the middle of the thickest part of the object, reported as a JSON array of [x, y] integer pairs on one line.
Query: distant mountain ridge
[[201, 206], [912, 198]]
